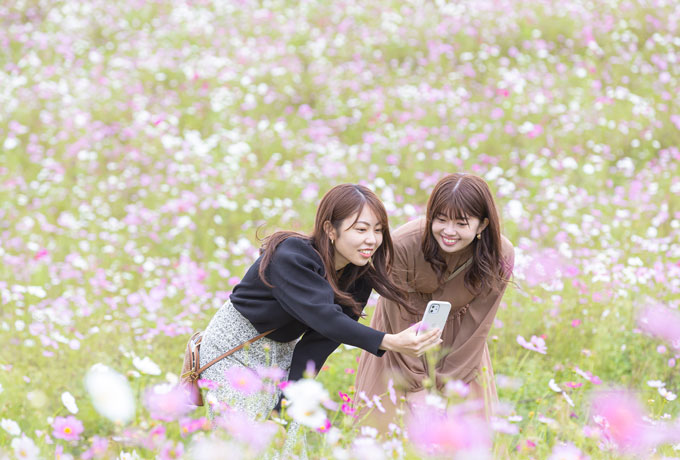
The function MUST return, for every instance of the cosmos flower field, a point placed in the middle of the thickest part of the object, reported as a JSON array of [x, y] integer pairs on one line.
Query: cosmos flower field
[[146, 145]]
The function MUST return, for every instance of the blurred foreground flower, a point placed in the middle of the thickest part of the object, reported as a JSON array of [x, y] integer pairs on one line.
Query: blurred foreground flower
[[455, 433], [622, 419], [69, 402], [242, 428], [25, 448], [567, 452], [111, 393], [661, 322], [146, 366], [243, 379], [166, 402], [305, 398], [214, 449], [10, 426]]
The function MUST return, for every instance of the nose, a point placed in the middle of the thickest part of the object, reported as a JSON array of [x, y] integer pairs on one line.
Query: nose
[[370, 238], [450, 229]]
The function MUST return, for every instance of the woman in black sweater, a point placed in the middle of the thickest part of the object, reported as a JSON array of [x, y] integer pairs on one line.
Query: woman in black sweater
[[311, 290]]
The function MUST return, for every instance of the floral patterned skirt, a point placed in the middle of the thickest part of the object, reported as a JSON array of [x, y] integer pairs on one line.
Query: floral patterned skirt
[[228, 329]]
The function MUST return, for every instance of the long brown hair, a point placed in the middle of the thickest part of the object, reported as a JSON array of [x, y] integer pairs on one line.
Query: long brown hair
[[339, 203], [461, 196]]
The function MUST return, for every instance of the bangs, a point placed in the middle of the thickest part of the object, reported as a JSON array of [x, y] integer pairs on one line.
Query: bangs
[[378, 210], [454, 207]]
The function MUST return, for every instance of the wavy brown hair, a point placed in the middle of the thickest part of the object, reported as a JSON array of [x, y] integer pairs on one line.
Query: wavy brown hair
[[461, 196], [339, 203]]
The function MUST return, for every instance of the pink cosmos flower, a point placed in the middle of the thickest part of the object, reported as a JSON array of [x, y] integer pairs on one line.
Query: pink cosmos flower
[[189, 425], [345, 397], [347, 409], [244, 380], [390, 391], [620, 415], [166, 402], [662, 322], [67, 428], [325, 428], [449, 433], [97, 450], [594, 379], [242, 428], [567, 452], [536, 344]]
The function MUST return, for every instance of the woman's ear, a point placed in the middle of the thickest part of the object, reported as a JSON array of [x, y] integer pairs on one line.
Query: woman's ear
[[483, 225], [330, 231]]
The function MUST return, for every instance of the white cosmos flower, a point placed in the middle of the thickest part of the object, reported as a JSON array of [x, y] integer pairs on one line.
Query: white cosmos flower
[[25, 448], [70, 402], [10, 426], [669, 395], [305, 391], [129, 456], [146, 366], [305, 397], [656, 383], [554, 387], [110, 392], [313, 417]]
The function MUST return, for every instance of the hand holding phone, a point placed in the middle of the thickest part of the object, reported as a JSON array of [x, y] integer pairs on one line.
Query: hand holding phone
[[436, 314]]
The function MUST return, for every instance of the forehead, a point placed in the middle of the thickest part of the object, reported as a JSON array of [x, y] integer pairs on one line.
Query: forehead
[[365, 215]]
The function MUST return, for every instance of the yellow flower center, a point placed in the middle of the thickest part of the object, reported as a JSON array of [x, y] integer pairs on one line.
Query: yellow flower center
[[67, 430]]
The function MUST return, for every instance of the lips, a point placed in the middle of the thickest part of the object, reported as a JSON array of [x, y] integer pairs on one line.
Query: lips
[[449, 241], [366, 253]]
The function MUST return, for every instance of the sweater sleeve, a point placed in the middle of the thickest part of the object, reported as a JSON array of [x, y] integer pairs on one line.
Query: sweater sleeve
[[303, 292]]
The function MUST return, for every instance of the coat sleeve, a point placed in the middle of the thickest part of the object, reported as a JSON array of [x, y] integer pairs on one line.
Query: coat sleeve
[[303, 292]]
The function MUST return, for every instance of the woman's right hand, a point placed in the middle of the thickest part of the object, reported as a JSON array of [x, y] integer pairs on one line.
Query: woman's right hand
[[408, 343]]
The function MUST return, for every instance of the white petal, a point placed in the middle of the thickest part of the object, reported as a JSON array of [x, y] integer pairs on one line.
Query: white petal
[[554, 387], [70, 402]]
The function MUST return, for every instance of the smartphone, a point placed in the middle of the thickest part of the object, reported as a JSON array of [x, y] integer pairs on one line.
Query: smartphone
[[436, 313]]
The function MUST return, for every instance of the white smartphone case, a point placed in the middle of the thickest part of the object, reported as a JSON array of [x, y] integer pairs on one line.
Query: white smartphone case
[[436, 313]]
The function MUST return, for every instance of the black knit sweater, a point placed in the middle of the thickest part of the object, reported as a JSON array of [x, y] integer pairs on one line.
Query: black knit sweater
[[302, 303]]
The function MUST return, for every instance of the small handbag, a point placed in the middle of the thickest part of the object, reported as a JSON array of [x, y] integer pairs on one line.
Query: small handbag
[[191, 368]]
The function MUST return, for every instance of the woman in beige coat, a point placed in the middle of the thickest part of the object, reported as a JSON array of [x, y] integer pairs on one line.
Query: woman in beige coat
[[456, 253]]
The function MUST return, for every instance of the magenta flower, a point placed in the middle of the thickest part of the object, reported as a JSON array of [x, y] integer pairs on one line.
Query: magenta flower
[[67, 428], [347, 409], [325, 428], [243, 379], [536, 344], [449, 433]]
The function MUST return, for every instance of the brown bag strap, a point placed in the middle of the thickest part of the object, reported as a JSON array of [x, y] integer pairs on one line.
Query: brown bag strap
[[233, 350]]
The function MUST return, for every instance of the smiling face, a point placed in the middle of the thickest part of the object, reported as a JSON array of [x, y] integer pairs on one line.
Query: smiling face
[[453, 235], [356, 239]]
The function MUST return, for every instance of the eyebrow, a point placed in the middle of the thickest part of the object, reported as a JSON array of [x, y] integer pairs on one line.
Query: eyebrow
[[365, 223]]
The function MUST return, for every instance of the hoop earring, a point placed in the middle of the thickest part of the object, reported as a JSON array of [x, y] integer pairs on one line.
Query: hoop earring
[[479, 236], [332, 242]]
